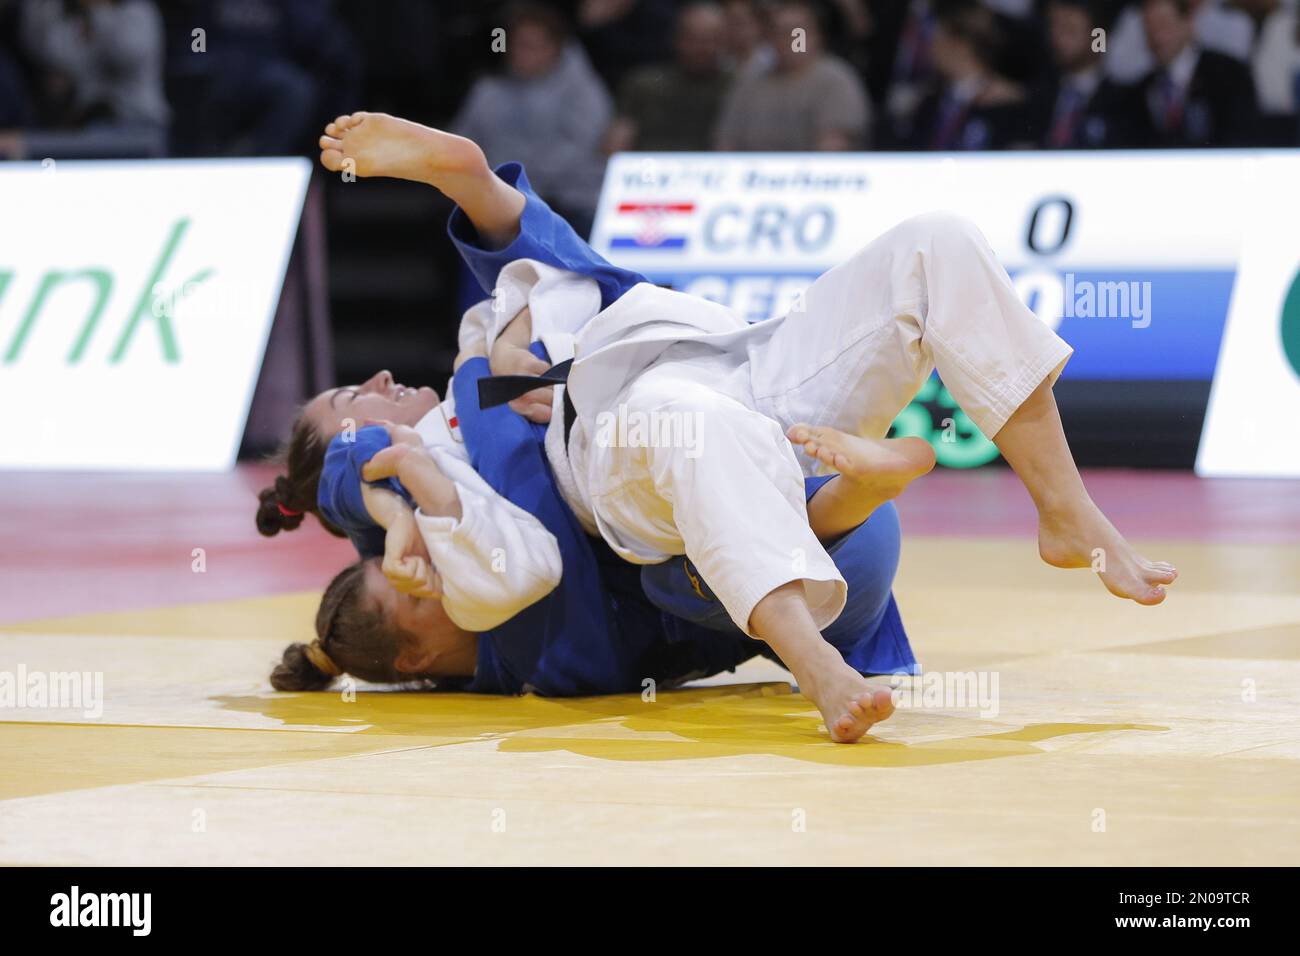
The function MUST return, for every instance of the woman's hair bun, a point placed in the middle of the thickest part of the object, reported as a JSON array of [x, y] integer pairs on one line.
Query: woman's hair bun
[[271, 517], [297, 672]]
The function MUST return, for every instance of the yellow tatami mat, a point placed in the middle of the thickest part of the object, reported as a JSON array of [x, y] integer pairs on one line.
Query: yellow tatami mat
[[1121, 735]]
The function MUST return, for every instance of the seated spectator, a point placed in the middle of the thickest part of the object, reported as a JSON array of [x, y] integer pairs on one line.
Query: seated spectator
[[1082, 108], [747, 52], [550, 111], [1276, 69], [809, 100], [1218, 27], [975, 107], [675, 106], [1194, 97], [100, 92]]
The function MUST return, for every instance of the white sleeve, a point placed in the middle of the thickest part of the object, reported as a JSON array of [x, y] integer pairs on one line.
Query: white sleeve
[[561, 303], [495, 560]]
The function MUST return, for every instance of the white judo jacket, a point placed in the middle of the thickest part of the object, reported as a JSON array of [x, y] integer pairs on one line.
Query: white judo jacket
[[657, 352]]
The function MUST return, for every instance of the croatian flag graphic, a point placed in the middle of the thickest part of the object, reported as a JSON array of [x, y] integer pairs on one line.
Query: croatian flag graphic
[[651, 225]]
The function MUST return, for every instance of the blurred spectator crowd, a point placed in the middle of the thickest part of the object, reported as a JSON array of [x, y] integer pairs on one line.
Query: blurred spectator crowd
[[561, 85]]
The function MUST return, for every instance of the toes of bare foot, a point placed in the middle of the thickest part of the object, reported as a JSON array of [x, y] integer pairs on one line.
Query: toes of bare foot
[[1163, 575], [331, 159], [845, 730], [867, 709], [834, 460], [1151, 597], [882, 703]]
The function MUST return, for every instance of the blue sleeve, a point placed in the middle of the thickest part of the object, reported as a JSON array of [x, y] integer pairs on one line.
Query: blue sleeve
[[339, 494], [544, 236]]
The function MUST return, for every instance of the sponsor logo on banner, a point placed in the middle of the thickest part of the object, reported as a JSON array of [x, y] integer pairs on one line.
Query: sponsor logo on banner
[[136, 300], [1290, 324]]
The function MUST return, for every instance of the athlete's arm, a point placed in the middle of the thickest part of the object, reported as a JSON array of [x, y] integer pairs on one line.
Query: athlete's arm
[[406, 562], [493, 559], [492, 207], [542, 235], [511, 356]]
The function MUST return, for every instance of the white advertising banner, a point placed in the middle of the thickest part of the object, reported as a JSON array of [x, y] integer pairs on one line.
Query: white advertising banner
[[135, 303], [1252, 424]]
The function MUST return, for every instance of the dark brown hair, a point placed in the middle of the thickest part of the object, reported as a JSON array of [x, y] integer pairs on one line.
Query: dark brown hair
[[303, 456], [355, 634]]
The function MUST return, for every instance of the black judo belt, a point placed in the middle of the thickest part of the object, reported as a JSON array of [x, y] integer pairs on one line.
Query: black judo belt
[[494, 390]]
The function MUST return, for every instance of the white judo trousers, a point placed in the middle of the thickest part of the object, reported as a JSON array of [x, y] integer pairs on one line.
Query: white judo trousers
[[728, 490]]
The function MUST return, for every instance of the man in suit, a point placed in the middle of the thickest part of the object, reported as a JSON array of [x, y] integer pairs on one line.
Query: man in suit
[[1194, 97], [974, 106], [1083, 109]]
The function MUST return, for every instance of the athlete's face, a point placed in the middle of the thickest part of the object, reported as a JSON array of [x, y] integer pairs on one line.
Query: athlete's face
[[379, 398], [430, 635]]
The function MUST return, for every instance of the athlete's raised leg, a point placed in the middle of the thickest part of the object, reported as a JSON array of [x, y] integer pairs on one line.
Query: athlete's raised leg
[[930, 293], [1072, 531], [376, 144]]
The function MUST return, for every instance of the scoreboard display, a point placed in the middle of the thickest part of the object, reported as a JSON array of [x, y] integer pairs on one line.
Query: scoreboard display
[[1134, 257]]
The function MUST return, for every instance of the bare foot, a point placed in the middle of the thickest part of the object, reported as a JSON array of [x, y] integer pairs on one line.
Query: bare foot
[[848, 704], [376, 144], [1083, 537], [878, 468]]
